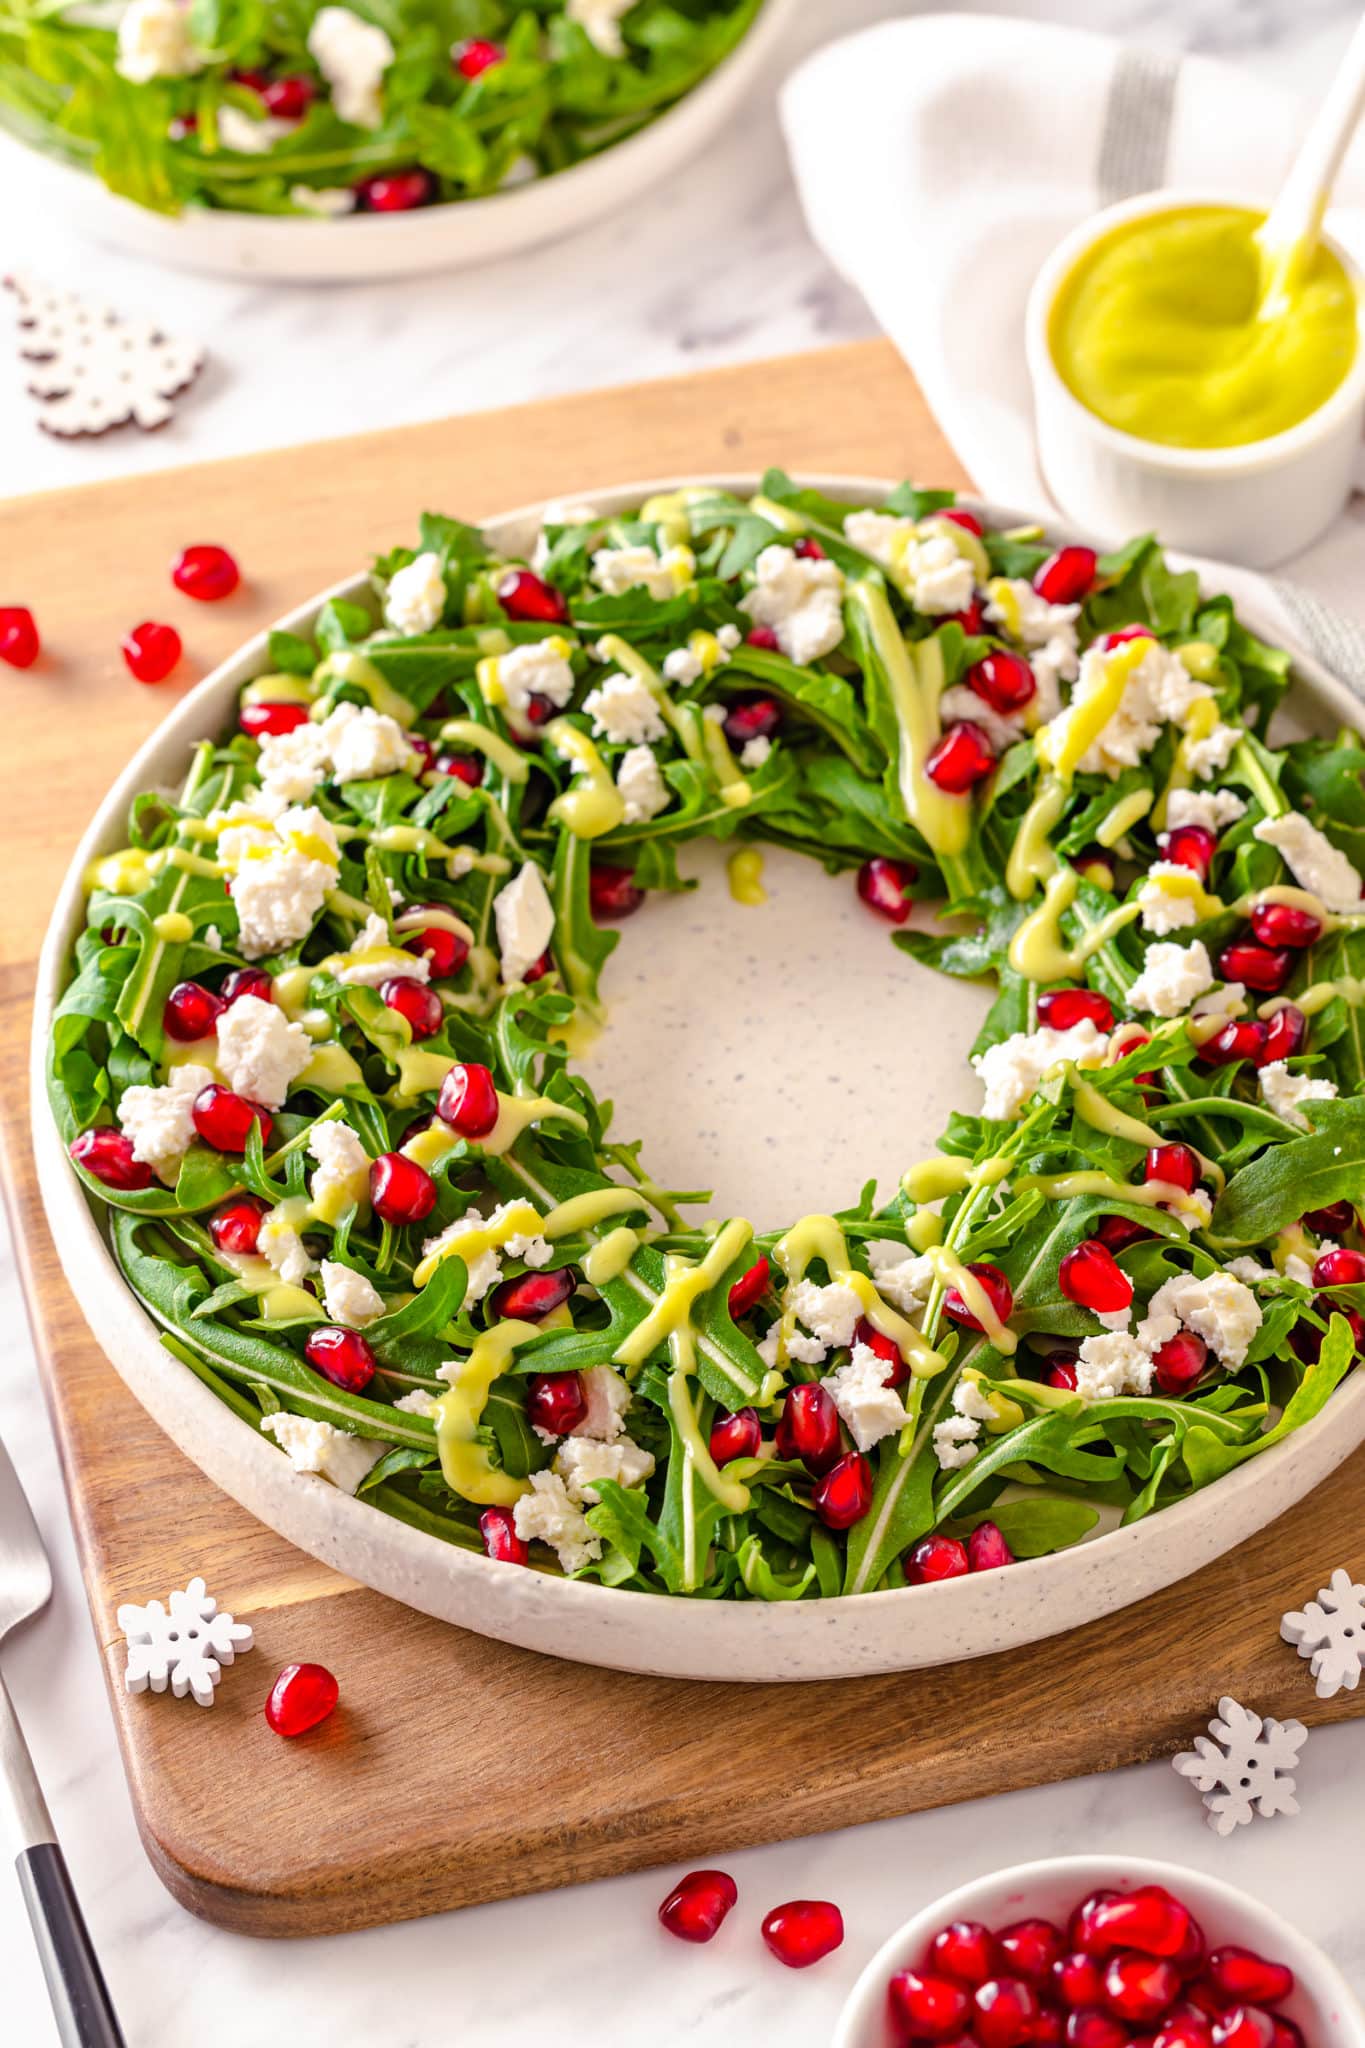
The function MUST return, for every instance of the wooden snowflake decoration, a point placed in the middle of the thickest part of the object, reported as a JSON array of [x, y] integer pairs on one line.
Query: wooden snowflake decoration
[[183, 1644], [1247, 1769], [92, 369], [1330, 1632]]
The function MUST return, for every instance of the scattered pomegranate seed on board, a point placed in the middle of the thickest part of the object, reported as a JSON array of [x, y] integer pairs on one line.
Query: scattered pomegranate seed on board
[[696, 1907], [20, 645], [301, 1697], [151, 651], [804, 1931], [205, 572]]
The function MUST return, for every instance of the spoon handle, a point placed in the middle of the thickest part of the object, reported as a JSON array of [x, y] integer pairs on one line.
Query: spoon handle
[[1293, 222]]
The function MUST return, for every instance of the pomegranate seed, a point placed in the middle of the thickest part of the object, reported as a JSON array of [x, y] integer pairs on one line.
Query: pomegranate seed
[[1076, 1980], [808, 1428], [808, 550], [935, 1558], [752, 718], [803, 1931], [1282, 924], [1190, 1954], [108, 1155], [247, 981], [1331, 1222], [884, 1348], [477, 56], [289, 99], [961, 759], [1088, 2028], [1149, 1919], [1048, 2028], [1307, 1341], [396, 191], [419, 1005], [764, 637], [1081, 1930], [1122, 634], [1180, 1361], [612, 892], [1061, 1372], [190, 1012], [468, 1100], [224, 1120], [151, 651], [998, 1291], [301, 1696], [987, 1551], [749, 1289], [538, 969], [1139, 1988], [256, 720], [400, 1190], [1186, 2027], [341, 1356], [424, 750], [1286, 1035], [236, 1227], [19, 642], [1244, 1978], [205, 572], [254, 81], [524, 595], [927, 2007], [1060, 1009], [1203, 1998], [555, 1401], [1067, 576], [697, 1905], [1006, 2010], [466, 768], [1243, 2026], [960, 516], [1242, 1038], [1284, 2033], [882, 884], [1191, 846], [501, 1542], [963, 1950], [1341, 1268], [533, 1296], [1176, 1165], [1003, 680], [844, 1495], [1116, 1233], [735, 1436], [1259, 968], [1030, 1947], [445, 951]]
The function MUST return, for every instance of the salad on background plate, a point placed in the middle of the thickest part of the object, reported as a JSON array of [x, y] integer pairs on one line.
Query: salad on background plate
[[317, 1056]]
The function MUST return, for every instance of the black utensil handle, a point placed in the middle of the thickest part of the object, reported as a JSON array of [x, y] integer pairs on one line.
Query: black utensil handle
[[75, 1982]]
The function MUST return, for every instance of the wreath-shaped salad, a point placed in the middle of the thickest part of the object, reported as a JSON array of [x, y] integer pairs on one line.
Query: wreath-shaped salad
[[316, 1059]]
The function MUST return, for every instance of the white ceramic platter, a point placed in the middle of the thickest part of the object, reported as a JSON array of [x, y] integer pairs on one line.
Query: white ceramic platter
[[298, 250], [802, 1054]]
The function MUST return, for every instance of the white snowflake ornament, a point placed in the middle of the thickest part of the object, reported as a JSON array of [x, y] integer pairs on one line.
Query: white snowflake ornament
[[1331, 1632], [1252, 1771], [91, 369], [187, 1645]]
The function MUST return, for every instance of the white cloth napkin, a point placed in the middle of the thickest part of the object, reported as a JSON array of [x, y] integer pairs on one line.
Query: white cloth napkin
[[940, 159]]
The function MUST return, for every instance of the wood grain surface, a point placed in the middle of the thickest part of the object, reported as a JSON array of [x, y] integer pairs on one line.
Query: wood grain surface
[[457, 1770]]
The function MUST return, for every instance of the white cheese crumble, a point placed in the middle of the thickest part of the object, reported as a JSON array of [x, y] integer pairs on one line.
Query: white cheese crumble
[[373, 959], [1172, 976], [1210, 755], [617, 570], [1111, 1365], [755, 752], [1251, 1271], [871, 1409], [607, 1395], [416, 596], [1219, 1308], [1158, 690], [1284, 1092], [364, 743], [624, 710], [328, 202], [420, 1401], [581, 1461], [244, 135], [159, 1120], [547, 1515], [525, 919], [154, 42], [601, 19], [278, 887], [260, 1053], [801, 598], [352, 56], [938, 576], [642, 786], [292, 764], [348, 1297], [902, 1277], [1011, 1070], [280, 1245], [1165, 899], [1214, 809], [1313, 861], [955, 1441], [1023, 616], [830, 1313], [483, 1270], [318, 1447], [343, 1165], [536, 668]]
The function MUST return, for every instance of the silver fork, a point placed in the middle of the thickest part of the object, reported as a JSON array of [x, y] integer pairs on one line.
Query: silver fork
[[75, 1982]]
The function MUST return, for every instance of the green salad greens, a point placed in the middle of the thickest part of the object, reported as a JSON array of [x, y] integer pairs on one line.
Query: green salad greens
[[289, 107], [315, 1063]]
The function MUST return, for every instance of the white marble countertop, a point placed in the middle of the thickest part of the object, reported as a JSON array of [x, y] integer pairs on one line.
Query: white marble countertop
[[737, 277]]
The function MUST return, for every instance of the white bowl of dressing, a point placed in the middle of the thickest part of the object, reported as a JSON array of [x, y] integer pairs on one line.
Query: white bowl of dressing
[[1256, 504]]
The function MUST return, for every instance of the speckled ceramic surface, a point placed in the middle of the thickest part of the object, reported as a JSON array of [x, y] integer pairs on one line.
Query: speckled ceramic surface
[[803, 1054]]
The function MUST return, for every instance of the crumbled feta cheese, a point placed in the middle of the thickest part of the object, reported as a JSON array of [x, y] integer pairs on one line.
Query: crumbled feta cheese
[[1298, 1269], [955, 1441], [1158, 690], [801, 598], [641, 783], [1111, 1365], [601, 19], [886, 536], [624, 710], [278, 889], [154, 42], [1023, 616], [329, 202], [547, 1515], [318, 1447], [280, 1245], [159, 1120], [755, 752], [292, 764], [803, 1350], [1314, 862], [416, 596], [352, 56], [484, 1269], [1211, 754], [1250, 1270], [1284, 1092], [420, 1401], [348, 1297], [831, 1313], [969, 1400], [607, 1395], [1165, 899], [581, 1461], [244, 135], [365, 743], [1011, 1070], [212, 938], [938, 576], [1001, 728], [1218, 1308], [1172, 976], [533, 1251], [714, 714], [902, 1277], [260, 1053], [343, 1165], [617, 570], [1214, 809], [1052, 665], [525, 919], [536, 668], [1225, 1003], [859, 1391], [683, 667]]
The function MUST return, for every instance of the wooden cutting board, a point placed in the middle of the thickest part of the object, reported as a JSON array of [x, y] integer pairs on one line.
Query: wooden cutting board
[[457, 1770]]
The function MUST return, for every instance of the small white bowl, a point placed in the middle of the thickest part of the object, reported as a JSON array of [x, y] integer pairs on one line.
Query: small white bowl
[[1256, 505], [1322, 2003]]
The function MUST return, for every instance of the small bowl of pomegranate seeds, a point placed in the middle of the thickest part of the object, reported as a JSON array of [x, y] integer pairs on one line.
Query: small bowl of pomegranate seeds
[[1099, 1952]]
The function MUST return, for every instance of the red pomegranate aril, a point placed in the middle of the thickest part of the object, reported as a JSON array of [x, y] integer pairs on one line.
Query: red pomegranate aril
[[224, 1120], [190, 1012], [401, 1191], [1243, 2026], [1241, 1038], [524, 595], [1003, 680], [1060, 1009], [1029, 1947], [844, 1495], [963, 1950], [1244, 1978], [1077, 1980], [301, 1697], [1180, 1362], [396, 191], [808, 550], [697, 1905], [1307, 1341], [1139, 1988], [151, 651], [1090, 1277], [1081, 1927], [1061, 1372], [735, 1436], [749, 1289], [961, 516], [752, 718], [1088, 2027], [1184, 2027], [1149, 1919], [1190, 1954], [1284, 924], [1006, 2009], [19, 642], [808, 1428], [1339, 1268], [612, 892], [289, 98], [1286, 1035], [927, 2006], [987, 1551], [1048, 2029], [341, 1356], [236, 1227], [533, 1296], [468, 1100], [444, 951], [538, 969], [1256, 966], [1284, 2033], [205, 572], [466, 768], [1333, 1221], [419, 1006], [961, 759], [1068, 576], [882, 884], [803, 1931], [555, 1401], [762, 637], [107, 1154], [498, 1530], [972, 620], [998, 1292], [935, 1558], [250, 81], [1174, 1165], [247, 981], [884, 1348], [477, 56], [259, 720], [1116, 1233], [1190, 846]]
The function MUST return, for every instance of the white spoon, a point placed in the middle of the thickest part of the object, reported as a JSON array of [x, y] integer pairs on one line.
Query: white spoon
[[1289, 235]]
